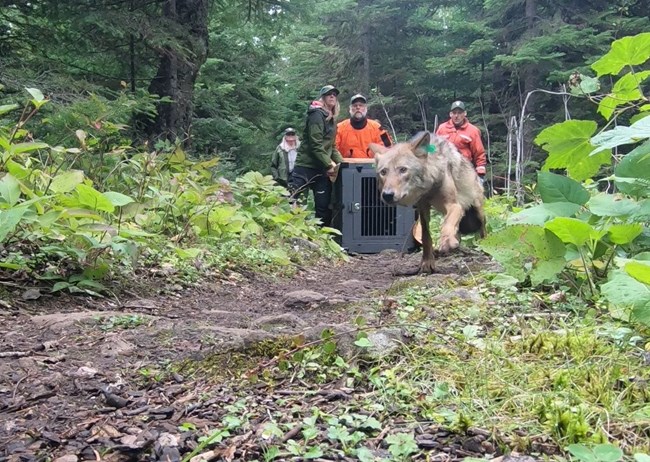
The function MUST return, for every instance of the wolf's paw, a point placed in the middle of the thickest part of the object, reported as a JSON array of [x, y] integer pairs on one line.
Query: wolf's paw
[[427, 266], [447, 244]]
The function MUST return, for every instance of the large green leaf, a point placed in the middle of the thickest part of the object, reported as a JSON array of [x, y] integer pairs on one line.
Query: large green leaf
[[624, 291], [573, 231], [93, 199], [118, 199], [638, 131], [635, 165], [540, 214], [67, 181], [36, 93], [80, 213], [559, 188], [581, 453], [28, 146], [17, 170], [627, 51], [7, 108], [527, 251], [585, 85], [639, 271], [626, 89], [607, 453], [624, 233], [9, 189], [568, 146], [612, 205], [9, 219]]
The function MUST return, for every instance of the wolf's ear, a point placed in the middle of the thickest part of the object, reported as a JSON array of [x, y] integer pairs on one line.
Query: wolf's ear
[[419, 143], [377, 149]]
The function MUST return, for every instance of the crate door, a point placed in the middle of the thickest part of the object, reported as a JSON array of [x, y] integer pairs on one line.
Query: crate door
[[374, 220]]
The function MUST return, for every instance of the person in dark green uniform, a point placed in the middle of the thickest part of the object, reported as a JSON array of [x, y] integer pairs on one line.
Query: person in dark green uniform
[[317, 159]]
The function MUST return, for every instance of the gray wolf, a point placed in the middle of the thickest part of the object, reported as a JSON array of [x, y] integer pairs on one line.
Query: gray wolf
[[429, 172]]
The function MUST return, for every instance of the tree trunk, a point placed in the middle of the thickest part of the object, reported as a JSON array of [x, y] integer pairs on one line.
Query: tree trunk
[[365, 72], [531, 77], [364, 77], [178, 69], [530, 73]]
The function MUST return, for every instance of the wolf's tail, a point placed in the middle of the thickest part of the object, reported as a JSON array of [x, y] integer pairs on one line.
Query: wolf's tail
[[470, 223]]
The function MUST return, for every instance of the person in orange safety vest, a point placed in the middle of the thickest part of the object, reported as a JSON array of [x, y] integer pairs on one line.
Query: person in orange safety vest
[[465, 136], [353, 135]]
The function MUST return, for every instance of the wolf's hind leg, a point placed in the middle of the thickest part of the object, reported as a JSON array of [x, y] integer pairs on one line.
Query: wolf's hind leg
[[449, 232], [481, 216]]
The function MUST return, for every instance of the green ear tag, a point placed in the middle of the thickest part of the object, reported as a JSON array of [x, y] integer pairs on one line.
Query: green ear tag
[[431, 149]]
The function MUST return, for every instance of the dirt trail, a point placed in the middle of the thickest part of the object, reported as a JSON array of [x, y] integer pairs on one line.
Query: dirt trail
[[77, 374]]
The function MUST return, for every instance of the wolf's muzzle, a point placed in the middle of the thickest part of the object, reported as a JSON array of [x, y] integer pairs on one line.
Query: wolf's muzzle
[[388, 197]]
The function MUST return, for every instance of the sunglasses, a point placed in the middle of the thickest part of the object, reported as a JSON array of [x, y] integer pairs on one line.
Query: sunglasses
[[290, 134]]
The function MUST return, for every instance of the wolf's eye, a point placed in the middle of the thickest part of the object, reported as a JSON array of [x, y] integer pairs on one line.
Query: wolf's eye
[[383, 171], [403, 170]]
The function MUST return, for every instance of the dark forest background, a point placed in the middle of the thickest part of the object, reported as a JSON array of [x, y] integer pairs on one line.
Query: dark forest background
[[225, 77]]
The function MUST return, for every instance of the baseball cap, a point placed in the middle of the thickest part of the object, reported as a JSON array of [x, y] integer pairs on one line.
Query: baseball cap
[[358, 97], [457, 105], [290, 131], [329, 89]]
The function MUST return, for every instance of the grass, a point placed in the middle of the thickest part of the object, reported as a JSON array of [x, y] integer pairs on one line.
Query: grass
[[534, 375]]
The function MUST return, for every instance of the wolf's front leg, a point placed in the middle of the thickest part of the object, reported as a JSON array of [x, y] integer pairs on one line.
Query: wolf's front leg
[[449, 232], [428, 261]]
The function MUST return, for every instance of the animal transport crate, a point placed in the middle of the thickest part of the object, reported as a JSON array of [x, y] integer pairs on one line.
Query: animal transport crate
[[367, 224]]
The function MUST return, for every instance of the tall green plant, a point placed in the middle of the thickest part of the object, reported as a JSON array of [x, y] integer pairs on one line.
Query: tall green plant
[[604, 237]]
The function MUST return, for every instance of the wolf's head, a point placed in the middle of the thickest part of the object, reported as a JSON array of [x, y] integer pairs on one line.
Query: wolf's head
[[403, 170]]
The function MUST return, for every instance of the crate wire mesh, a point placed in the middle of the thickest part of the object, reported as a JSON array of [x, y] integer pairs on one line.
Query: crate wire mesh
[[377, 219]]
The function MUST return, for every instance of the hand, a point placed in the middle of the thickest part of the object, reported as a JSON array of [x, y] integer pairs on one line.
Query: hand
[[333, 172]]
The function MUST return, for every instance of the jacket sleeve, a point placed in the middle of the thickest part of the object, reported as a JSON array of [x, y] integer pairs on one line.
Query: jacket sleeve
[[384, 137], [478, 152], [336, 155], [315, 133], [275, 161]]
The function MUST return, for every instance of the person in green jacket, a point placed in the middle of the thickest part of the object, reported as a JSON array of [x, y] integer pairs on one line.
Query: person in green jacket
[[284, 157], [318, 160]]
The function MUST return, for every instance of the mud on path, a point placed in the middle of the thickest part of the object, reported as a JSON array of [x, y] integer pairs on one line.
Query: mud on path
[[79, 376]]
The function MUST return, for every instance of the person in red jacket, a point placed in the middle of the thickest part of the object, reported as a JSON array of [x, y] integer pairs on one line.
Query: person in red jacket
[[353, 135], [465, 136]]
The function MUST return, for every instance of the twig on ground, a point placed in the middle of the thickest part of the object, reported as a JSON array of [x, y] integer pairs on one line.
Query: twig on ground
[[291, 433]]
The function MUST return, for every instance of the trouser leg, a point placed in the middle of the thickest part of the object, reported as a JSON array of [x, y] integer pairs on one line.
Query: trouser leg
[[322, 188], [303, 179], [299, 184]]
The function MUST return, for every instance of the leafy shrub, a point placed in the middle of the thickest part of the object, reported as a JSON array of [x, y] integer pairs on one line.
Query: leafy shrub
[[596, 241], [84, 214]]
